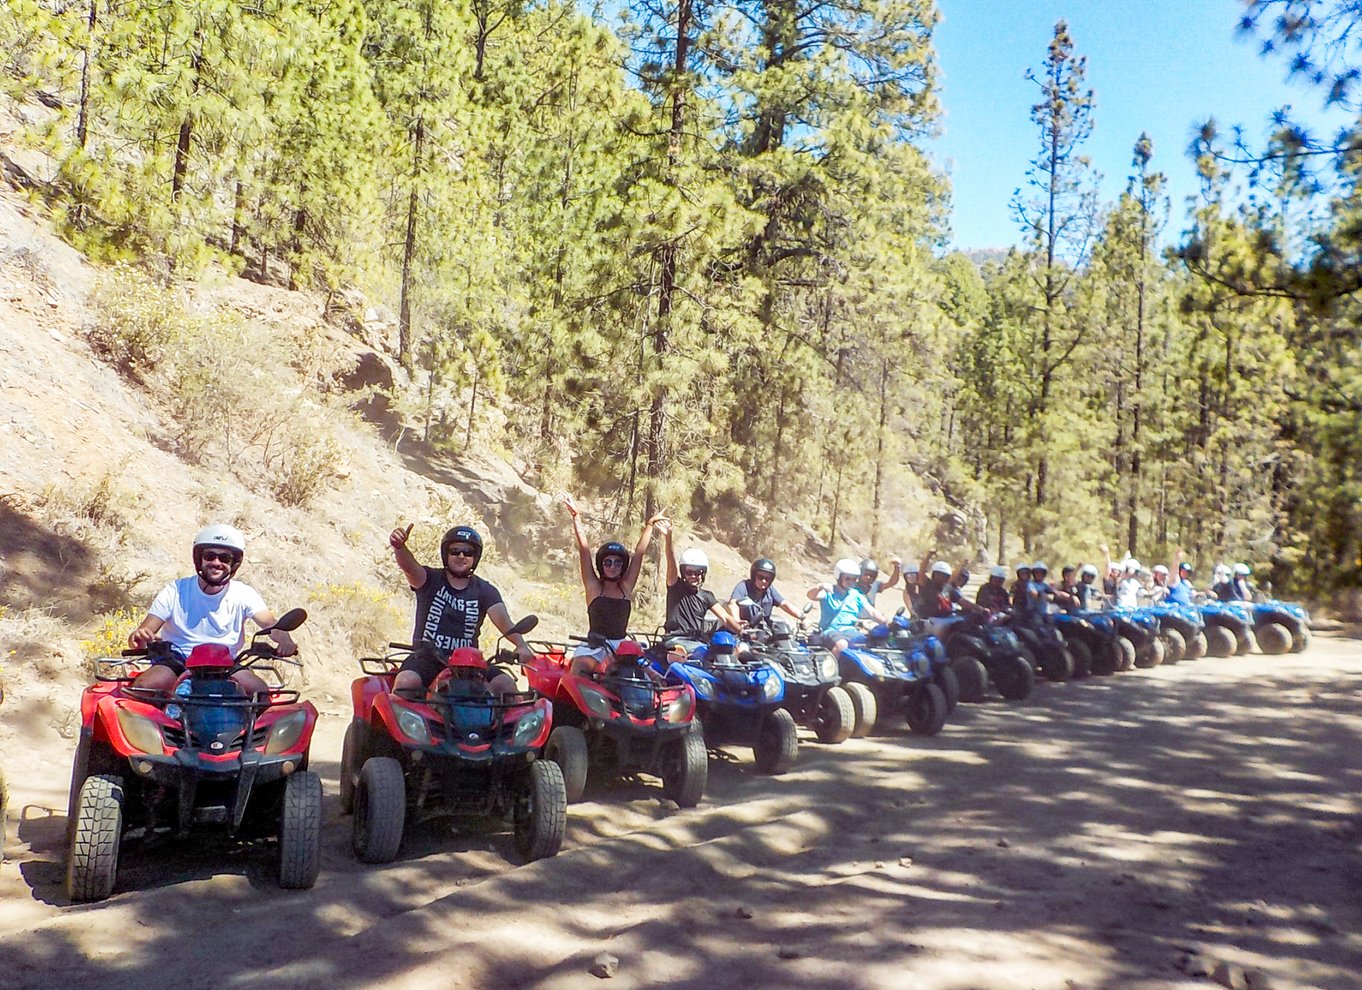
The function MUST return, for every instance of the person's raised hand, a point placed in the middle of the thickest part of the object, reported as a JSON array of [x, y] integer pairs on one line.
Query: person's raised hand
[[398, 539], [571, 506]]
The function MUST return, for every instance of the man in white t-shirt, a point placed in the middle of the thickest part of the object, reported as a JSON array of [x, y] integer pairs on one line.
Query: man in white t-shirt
[[208, 607]]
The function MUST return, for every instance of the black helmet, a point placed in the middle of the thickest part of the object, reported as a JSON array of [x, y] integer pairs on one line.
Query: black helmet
[[868, 566], [762, 565], [612, 549], [461, 534]]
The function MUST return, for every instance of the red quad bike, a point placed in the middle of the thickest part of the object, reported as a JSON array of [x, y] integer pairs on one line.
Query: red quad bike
[[620, 719], [458, 750], [204, 757]]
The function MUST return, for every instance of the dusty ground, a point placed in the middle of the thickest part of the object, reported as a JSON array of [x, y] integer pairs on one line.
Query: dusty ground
[[1091, 837]]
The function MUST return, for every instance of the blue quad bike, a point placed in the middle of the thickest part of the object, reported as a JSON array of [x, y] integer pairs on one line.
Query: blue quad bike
[[1279, 627], [896, 680], [983, 649], [1229, 628], [739, 697], [1182, 629], [813, 695], [1093, 640]]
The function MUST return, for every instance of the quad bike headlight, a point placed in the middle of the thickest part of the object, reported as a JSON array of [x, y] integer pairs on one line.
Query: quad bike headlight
[[142, 732], [827, 667], [704, 687], [681, 708], [528, 728], [285, 733], [596, 703], [413, 726], [771, 687]]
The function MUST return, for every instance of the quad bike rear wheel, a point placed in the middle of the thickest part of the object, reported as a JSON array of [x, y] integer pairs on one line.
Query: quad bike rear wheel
[[1220, 641], [836, 716], [300, 831], [1274, 638], [1300, 640], [1150, 653], [92, 865], [1058, 665], [1014, 677], [865, 707], [540, 815], [687, 770], [1106, 659], [380, 810], [971, 675], [949, 684], [354, 751], [567, 748], [1196, 646], [1174, 646], [926, 710], [777, 743]]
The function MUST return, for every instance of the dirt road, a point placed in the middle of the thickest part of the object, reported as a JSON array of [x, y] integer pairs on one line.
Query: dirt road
[[1098, 835]]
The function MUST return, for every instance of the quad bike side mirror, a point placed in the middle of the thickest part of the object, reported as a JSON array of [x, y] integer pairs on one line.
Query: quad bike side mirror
[[526, 624], [289, 621]]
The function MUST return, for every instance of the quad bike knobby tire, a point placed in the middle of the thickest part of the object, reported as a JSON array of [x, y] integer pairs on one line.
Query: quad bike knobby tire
[[1150, 654], [380, 810], [1196, 646], [836, 716], [300, 831], [1127, 654], [1082, 655], [1220, 641], [354, 751], [540, 815], [1300, 641], [865, 708], [1014, 678], [1058, 666], [92, 864], [687, 770], [1107, 659], [777, 743], [949, 684], [1174, 646], [972, 676], [567, 748], [926, 709], [1274, 638]]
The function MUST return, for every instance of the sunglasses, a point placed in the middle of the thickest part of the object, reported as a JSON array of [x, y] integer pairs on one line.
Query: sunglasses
[[461, 552], [612, 562], [217, 556], [692, 572]]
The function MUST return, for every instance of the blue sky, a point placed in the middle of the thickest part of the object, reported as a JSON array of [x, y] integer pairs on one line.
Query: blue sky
[[1161, 66]]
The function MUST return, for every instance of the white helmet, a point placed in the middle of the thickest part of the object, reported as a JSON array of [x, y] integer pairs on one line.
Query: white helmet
[[1161, 569], [912, 570], [1221, 572], [694, 557], [846, 567], [221, 535], [1039, 566], [1088, 570], [1242, 570], [997, 570], [1131, 565], [941, 567]]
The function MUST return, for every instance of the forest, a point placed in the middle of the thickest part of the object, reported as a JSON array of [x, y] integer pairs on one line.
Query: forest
[[695, 254]]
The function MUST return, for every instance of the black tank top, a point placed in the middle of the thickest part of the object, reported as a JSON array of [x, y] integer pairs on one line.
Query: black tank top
[[609, 617]]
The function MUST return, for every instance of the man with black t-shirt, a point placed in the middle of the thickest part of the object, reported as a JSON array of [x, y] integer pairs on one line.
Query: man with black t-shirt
[[692, 612], [451, 604]]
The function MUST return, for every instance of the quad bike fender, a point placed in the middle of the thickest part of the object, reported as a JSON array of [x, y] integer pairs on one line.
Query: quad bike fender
[[363, 691], [383, 719]]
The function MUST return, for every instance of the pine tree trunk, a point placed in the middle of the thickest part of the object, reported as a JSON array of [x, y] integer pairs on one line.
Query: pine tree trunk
[[181, 156], [409, 250], [879, 452], [87, 56]]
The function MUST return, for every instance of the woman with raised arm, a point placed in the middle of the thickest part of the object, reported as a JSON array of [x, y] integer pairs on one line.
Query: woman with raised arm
[[608, 583]]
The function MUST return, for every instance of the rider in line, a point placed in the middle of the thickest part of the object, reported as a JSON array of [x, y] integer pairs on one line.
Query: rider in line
[[1087, 596], [1238, 588], [609, 588], [207, 608], [760, 589], [841, 604], [1180, 587], [1158, 590], [912, 584], [992, 594], [1128, 589], [1021, 588], [868, 581], [692, 611], [451, 604], [1039, 594], [941, 595]]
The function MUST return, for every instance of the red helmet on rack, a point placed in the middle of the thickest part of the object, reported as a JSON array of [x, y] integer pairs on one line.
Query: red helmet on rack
[[628, 650], [467, 658], [209, 656]]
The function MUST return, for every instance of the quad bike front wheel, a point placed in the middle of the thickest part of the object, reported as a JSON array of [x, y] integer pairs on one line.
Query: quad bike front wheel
[[1106, 659], [836, 716], [865, 707], [687, 770], [971, 675], [354, 752], [567, 748], [1082, 656], [777, 744], [949, 684], [1150, 653], [1127, 654], [1274, 638], [540, 816], [92, 865], [1196, 646], [1174, 646], [380, 810], [1014, 677], [300, 831], [1300, 640], [926, 711]]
